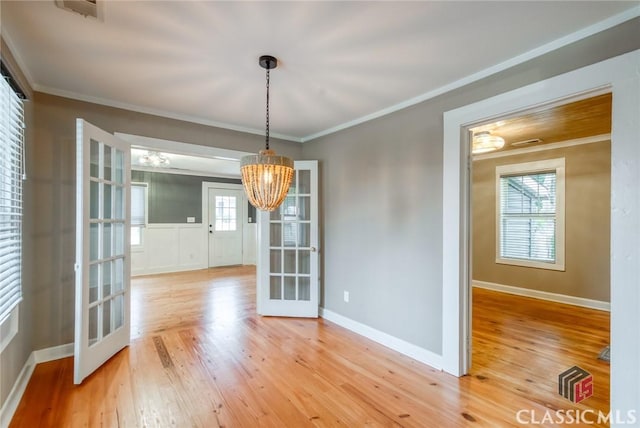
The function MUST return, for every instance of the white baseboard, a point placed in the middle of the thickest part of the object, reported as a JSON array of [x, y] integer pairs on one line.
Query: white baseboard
[[417, 353], [168, 269], [36, 357], [545, 295]]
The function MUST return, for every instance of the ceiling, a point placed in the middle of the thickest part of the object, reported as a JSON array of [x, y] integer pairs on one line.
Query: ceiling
[[188, 164], [572, 120], [340, 62]]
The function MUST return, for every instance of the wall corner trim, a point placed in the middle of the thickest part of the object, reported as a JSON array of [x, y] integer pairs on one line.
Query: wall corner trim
[[545, 295], [10, 405], [417, 353]]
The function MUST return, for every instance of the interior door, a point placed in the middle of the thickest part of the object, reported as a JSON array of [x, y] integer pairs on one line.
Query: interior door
[[225, 227], [288, 250], [102, 248]]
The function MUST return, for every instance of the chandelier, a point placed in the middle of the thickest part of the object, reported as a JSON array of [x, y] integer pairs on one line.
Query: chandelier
[[484, 142], [266, 177], [154, 159]]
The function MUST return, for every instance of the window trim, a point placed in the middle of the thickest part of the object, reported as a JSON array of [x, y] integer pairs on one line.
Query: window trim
[[556, 165]]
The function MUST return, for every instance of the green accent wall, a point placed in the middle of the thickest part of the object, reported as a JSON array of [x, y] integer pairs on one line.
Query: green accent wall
[[174, 197]]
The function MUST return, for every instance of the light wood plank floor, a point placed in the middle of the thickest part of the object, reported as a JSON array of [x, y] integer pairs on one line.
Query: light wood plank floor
[[201, 357]]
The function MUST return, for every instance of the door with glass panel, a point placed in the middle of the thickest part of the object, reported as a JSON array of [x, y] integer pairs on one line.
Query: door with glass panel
[[102, 248], [225, 227], [288, 249]]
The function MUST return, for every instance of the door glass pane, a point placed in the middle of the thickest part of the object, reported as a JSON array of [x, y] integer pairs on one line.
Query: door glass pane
[[107, 163], [288, 208], [289, 288], [106, 278], [289, 261], [93, 325], [118, 312], [292, 186], [94, 200], [304, 235], [93, 282], [106, 318], [94, 241], [226, 213], [275, 288], [304, 182], [118, 239], [94, 158], [118, 275], [275, 214], [106, 240], [275, 264], [304, 288], [275, 232], [106, 208], [119, 167], [118, 200], [289, 234], [304, 207], [304, 258]]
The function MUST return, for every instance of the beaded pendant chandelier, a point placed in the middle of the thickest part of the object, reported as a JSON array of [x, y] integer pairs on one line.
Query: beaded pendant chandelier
[[266, 177]]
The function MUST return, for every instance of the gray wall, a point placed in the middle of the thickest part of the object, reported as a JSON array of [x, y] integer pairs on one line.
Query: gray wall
[[174, 197], [382, 199], [587, 224]]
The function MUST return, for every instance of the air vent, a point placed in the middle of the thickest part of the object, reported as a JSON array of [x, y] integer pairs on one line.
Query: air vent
[[525, 142], [83, 7]]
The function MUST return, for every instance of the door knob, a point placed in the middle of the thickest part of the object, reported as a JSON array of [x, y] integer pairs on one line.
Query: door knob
[[313, 249]]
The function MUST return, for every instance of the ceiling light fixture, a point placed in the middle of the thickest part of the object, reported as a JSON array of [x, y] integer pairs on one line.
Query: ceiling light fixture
[[154, 159], [266, 177], [484, 142]]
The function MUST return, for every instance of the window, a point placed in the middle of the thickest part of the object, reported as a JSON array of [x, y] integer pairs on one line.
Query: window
[[226, 213], [11, 176], [530, 220], [138, 212]]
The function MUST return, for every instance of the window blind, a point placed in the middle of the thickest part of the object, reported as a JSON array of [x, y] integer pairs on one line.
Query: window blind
[[138, 204], [11, 176], [528, 217]]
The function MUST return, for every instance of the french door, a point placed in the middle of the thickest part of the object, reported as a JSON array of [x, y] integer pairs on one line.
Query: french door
[[225, 227], [288, 249], [102, 267]]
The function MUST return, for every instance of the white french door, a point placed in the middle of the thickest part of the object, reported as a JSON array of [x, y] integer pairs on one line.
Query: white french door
[[102, 248], [225, 227], [288, 250]]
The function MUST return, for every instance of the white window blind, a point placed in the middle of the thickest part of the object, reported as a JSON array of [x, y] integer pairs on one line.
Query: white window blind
[[138, 204], [528, 217], [11, 176], [138, 212]]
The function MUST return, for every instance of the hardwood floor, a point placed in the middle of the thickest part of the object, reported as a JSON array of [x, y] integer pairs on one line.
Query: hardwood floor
[[201, 357]]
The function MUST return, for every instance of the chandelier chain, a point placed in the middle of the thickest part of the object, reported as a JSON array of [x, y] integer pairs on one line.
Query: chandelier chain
[[267, 132]]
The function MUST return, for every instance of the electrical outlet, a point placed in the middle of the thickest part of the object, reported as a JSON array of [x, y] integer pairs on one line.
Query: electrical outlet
[[346, 296], [191, 219]]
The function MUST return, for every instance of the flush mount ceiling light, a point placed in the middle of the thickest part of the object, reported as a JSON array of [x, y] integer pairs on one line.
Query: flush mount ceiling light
[[154, 159], [484, 142], [266, 177]]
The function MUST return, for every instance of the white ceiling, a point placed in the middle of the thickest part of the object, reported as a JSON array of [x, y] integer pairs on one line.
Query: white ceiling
[[340, 62]]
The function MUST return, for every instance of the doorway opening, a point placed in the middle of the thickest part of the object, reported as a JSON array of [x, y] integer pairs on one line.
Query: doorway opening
[[539, 294]]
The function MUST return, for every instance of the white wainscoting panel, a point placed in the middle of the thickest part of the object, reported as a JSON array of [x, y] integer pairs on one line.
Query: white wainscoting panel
[[170, 248], [249, 244]]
